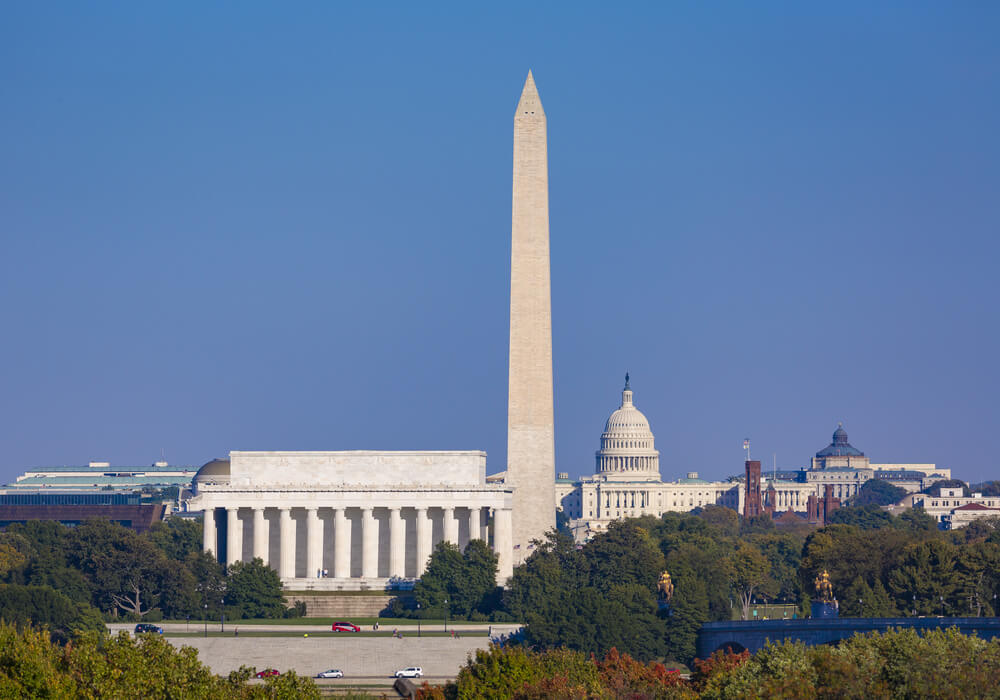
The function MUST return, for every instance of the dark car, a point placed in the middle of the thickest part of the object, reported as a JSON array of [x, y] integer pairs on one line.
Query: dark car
[[345, 627], [268, 672], [146, 628]]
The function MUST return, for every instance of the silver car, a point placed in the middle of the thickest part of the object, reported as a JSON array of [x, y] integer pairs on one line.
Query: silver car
[[332, 673]]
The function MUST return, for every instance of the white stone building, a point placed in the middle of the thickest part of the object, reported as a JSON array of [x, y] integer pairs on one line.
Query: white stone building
[[350, 520], [627, 480], [952, 509], [846, 468]]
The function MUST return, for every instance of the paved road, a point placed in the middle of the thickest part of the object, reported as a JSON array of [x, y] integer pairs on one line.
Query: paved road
[[406, 630], [359, 658]]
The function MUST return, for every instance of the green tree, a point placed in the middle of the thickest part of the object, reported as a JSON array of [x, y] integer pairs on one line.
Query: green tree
[[978, 570], [846, 552], [926, 579], [467, 581], [42, 606], [877, 492], [624, 554], [10, 556], [867, 517], [689, 610], [935, 488], [254, 589], [861, 600], [918, 521], [989, 489], [981, 529], [784, 555], [554, 569], [756, 524], [440, 581], [725, 521], [479, 593], [176, 537], [126, 571], [210, 581], [748, 571]]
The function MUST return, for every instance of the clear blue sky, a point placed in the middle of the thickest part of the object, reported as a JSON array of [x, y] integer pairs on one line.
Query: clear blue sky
[[287, 226]]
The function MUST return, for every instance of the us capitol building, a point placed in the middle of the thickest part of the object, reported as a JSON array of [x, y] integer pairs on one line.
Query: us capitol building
[[627, 481]]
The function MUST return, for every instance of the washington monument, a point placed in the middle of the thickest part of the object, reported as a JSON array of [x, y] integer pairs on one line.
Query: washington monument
[[530, 433]]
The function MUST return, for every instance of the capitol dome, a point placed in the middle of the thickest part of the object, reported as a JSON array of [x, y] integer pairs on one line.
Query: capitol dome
[[627, 451]]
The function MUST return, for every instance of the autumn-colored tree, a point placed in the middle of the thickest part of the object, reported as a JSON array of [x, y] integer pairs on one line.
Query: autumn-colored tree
[[623, 676], [721, 661]]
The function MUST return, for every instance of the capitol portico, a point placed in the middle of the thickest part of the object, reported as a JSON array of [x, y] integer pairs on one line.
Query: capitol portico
[[350, 520]]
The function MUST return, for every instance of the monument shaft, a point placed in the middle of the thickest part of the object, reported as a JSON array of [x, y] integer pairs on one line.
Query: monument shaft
[[530, 432]]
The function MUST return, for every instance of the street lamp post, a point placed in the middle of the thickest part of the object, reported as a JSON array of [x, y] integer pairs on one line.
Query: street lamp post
[[446, 615], [205, 618], [942, 605], [222, 614], [418, 619], [861, 607]]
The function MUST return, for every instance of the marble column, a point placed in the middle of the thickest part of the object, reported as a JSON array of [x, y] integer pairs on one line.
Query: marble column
[[314, 543], [475, 527], [341, 544], [209, 533], [286, 531], [504, 547], [369, 544], [261, 535], [423, 540], [234, 536], [397, 544], [484, 529], [449, 526]]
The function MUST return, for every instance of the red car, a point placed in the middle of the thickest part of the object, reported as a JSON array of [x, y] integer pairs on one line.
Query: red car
[[345, 627], [268, 672]]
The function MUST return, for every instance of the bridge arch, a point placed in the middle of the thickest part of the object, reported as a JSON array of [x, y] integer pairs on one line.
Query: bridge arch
[[731, 647]]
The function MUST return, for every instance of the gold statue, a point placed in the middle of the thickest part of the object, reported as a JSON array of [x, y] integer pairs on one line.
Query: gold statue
[[665, 587], [824, 589]]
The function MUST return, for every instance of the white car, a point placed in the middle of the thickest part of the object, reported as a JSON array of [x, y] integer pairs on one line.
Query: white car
[[332, 673], [410, 672]]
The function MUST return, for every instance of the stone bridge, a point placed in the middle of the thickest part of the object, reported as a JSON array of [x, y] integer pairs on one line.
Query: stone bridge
[[753, 635]]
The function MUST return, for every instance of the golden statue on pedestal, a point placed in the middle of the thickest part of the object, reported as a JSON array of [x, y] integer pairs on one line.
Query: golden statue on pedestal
[[824, 589], [664, 588]]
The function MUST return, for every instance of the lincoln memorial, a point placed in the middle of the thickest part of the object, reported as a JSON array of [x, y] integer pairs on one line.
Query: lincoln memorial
[[350, 520]]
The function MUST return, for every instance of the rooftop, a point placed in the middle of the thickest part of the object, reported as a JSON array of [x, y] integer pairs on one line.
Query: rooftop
[[840, 447]]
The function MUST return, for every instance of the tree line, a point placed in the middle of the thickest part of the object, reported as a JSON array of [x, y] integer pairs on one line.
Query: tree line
[[33, 666], [602, 595], [897, 664], [78, 577]]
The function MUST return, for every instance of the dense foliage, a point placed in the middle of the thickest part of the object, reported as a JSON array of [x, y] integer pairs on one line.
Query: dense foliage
[[898, 664], [99, 564], [602, 595], [31, 666], [877, 492]]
